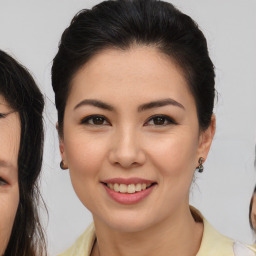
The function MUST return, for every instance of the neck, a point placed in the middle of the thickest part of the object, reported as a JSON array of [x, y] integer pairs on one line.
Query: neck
[[177, 235]]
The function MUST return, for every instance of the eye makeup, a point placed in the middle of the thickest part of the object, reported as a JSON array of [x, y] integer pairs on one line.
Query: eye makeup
[[3, 182], [96, 120], [155, 120], [160, 120], [3, 115]]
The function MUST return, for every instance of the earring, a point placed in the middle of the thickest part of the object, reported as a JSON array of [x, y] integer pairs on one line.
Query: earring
[[62, 166], [200, 168]]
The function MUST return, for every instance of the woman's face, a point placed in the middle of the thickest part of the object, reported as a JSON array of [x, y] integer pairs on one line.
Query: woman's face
[[131, 138], [9, 188], [253, 212]]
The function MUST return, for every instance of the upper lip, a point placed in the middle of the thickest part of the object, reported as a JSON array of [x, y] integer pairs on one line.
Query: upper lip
[[127, 181]]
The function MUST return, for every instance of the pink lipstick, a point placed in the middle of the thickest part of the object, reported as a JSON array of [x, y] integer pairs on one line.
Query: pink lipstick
[[128, 191]]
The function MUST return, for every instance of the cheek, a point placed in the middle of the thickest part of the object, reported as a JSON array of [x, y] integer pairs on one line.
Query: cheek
[[85, 157], [175, 154], [174, 159], [85, 154], [9, 201]]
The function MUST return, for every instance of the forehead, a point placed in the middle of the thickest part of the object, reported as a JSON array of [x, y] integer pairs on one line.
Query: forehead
[[9, 136], [3, 102], [5, 106], [140, 70], [9, 116], [140, 61]]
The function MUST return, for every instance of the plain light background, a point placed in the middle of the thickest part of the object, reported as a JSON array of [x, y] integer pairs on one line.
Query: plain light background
[[30, 31]]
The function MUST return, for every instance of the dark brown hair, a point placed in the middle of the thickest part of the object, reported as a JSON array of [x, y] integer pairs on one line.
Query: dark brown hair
[[121, 24], [20, 91]]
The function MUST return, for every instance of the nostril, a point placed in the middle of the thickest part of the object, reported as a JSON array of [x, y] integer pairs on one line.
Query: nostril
[[127, 157], [127, 164]]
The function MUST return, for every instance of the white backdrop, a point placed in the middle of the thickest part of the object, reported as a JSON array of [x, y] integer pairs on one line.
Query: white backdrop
[[30, 31]]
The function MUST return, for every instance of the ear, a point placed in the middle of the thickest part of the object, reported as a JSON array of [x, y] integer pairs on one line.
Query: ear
[[61, 146], [206, 138]]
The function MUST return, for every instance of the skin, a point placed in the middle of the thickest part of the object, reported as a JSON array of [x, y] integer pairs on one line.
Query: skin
[[9, 188], [253, 212], [130, 144]]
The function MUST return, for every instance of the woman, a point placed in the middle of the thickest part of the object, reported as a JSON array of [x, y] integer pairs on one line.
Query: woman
[[252, 206], [21, 136], [252, 210], [134, 90]]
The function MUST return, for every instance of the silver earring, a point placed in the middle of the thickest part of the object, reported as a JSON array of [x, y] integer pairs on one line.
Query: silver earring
[[200, 167]]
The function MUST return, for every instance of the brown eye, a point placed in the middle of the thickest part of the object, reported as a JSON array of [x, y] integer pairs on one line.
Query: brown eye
[[95, 120], [98, 120], [160, 120]]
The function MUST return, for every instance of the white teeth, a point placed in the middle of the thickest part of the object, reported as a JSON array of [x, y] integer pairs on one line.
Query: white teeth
[[116, 187], [123, 188], [130, 189], [138, 187], [144, 186]]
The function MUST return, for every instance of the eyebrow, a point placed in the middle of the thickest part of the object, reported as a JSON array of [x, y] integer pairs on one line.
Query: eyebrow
[[160, 103], [95, 103], [143, 107]]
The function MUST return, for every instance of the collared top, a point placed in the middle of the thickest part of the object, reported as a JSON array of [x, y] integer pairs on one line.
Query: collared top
[[213, 243]]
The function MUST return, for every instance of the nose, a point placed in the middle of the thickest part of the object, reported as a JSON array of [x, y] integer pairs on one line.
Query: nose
[[127, 151]]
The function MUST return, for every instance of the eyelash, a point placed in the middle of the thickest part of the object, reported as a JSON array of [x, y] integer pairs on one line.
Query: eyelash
[[2, 115], [167, 119], [87, 120], [3, 182], [90, 120]]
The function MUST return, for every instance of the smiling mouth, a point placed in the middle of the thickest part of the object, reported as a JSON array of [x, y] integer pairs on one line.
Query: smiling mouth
[[129, 188]]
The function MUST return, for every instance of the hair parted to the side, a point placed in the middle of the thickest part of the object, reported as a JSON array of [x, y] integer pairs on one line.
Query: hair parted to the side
[[21, 92], [122, 24]]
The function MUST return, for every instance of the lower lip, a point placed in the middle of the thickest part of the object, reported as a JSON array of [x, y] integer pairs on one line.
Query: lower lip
[[126, 198]]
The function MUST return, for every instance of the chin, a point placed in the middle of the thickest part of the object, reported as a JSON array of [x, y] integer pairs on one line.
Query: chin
[[128, 222], [128, 227]]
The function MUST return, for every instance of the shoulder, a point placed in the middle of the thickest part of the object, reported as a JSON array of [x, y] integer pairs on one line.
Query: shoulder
[[243, 250], [213, 243], [83, 245]]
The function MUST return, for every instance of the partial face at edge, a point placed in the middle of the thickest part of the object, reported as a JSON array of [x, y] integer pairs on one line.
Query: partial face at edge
[[130, 117], [9, 188], [253, 212]]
